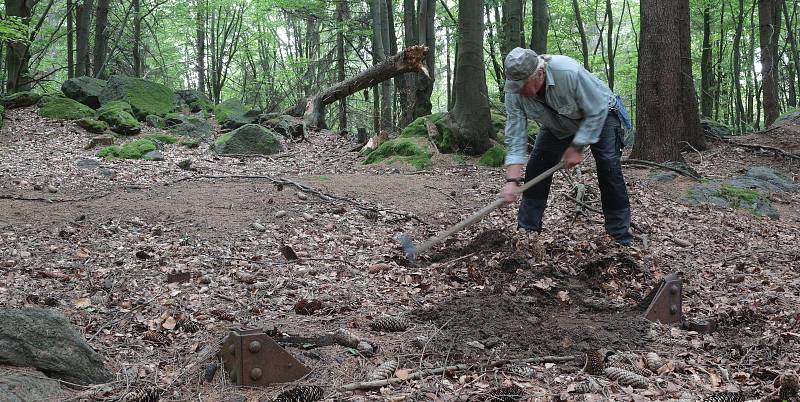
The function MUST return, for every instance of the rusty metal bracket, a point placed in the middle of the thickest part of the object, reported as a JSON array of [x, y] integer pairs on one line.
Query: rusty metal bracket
[[252, 358], [666, 305]]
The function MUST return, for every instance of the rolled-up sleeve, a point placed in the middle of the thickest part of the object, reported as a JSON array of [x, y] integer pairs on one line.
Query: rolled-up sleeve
[[516, 131], [593, 100]]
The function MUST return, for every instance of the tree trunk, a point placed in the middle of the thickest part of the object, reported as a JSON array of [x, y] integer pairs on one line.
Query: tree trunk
[[706, 72], [406, 85], [499, 75], [794, 72], [777, 54], [449, 68], [664, 118], [101, 37], [582, 31], [200, 38], [313, 109], [137, 38], [610, 46], [767, 37], [693, 133], [427, 37], [17, 55], [470, 119], [82, 21], [379, 55], [70, 40], [341, 17], [513, 26], [736, 72], [541, 21]]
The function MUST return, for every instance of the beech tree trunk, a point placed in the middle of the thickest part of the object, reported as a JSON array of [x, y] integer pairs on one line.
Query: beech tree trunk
[[513, 26], [101, 37], [541, 21], [706, 72], [406, 85], [137, 38], [738, 106], [82, 21], [341, 17], [200, 60], [767, 37], [665, 119], [470, 119], [406, 61], [427, 37]]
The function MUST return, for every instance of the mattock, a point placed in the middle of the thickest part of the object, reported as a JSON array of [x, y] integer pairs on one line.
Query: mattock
[[412, 251]]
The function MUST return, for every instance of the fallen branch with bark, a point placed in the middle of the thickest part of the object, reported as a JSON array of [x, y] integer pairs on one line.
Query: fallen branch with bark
[[312, 109]]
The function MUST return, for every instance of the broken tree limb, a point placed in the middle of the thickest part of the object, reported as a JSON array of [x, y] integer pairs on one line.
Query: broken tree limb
[[640, 162], [312, 109], [458, 367]]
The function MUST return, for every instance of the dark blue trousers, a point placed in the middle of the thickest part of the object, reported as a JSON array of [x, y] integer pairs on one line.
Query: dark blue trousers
[[548, 150]]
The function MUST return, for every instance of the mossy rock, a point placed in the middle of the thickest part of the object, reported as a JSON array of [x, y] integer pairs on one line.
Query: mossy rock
[[190, 143], [145, 97], [248, 139], [85, 90], [57, 107], [21, 99], [92, 125], [135, 149], [711, 127], [119, 116], [161, 137], [228, 108], [155, 121], [195, 100], [494, 157], [412, 150], [188, 126], [444, 137]]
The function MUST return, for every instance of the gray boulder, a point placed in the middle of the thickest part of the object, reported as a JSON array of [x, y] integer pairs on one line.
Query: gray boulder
[[287, 126], [145, 97], [84, 89], [249, 139], [195, 100], [17, 386], [154, 155], [44, 339], [190, 126]]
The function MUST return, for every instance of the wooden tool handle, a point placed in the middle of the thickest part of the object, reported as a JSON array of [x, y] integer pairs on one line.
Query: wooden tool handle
[[484, 211]]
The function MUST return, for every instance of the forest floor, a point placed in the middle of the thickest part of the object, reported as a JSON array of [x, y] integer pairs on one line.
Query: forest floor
[[99, 249]]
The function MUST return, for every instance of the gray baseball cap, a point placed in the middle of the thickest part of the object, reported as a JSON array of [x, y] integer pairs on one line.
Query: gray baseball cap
[[520, 64]]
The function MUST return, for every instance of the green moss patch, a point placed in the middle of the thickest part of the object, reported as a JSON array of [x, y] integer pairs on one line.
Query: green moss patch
[[56, 107], [21, 99], [161, 137], [444, 137], [92, 125], [228, 108], [414, 151], [494, 157], [738, 196], [119, 116], [145, 97], [135, 149]]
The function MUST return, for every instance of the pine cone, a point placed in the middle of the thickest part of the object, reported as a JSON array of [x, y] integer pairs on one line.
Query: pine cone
[[346, 338], [624, 358], [187, 325], [384, 371], [594, 362], [261, 285], [511, 393], [632, 368], [223, 315], [150, 394], [246, 277], [625, 377], [156, 337], [653, 362], [389, 324], [789, 386], [725, 397], [303, 393], [590, 386], [522, 371]]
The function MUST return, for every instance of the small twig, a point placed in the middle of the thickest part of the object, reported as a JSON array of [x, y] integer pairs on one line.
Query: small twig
[[458, 367]]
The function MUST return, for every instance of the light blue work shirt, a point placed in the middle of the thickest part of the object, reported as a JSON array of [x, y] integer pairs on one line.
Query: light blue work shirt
[[575, 103]]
